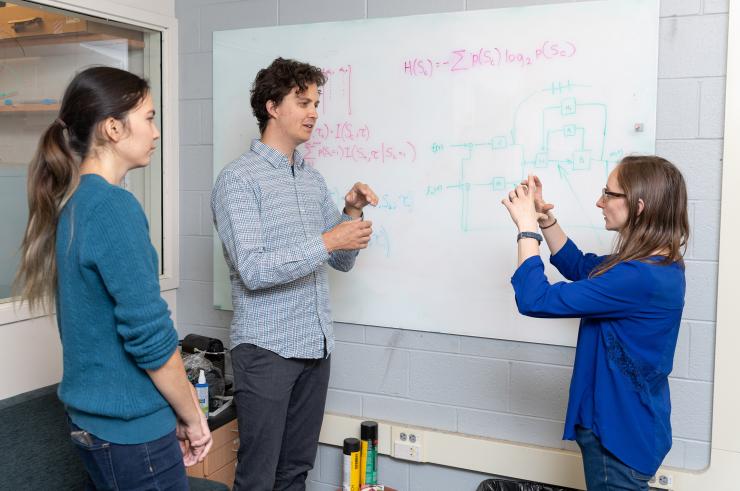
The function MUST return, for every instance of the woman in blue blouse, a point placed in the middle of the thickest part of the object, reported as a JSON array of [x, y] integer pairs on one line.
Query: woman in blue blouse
[[630, 305]]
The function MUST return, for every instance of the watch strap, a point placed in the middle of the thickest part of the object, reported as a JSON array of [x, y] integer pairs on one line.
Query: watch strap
[[529, 235]]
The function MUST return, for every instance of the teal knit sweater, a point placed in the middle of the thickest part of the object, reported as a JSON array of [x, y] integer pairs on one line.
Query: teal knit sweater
[[112, 320]]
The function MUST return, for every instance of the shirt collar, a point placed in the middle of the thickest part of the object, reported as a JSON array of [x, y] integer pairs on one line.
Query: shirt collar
[[274, 157]]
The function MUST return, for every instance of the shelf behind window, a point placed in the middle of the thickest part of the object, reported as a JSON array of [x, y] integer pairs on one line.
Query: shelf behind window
[[29, 108]]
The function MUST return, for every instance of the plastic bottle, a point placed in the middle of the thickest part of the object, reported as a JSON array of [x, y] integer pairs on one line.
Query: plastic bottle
[[201, 388]]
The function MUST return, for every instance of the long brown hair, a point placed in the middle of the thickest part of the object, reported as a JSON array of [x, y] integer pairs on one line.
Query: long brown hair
[[93, 95], [663, 224]]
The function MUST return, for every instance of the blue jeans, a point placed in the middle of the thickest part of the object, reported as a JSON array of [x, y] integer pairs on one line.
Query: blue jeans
[[604, 471], [155, 465]]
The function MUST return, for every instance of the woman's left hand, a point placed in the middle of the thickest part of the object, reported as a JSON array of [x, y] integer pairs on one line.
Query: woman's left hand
[[521, 206]]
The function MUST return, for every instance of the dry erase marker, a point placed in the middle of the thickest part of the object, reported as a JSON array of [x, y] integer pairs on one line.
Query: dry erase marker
[[351, 465], [369, 460]]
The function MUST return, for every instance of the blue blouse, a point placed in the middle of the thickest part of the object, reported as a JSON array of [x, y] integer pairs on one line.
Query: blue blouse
[[630, 317]]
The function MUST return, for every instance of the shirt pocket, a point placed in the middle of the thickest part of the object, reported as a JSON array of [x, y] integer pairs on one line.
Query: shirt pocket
[[639, 476]]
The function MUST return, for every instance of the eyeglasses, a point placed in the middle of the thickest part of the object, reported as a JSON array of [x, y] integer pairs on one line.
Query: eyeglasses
[[606, 195]]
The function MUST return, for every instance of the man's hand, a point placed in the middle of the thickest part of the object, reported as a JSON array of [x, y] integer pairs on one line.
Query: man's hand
[[357, 198], [348, 236]]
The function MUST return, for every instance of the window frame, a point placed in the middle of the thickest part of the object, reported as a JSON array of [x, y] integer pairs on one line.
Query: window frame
[[12, 312]]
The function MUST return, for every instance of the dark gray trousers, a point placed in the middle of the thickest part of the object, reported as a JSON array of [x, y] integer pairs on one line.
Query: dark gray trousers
[[280, 407]]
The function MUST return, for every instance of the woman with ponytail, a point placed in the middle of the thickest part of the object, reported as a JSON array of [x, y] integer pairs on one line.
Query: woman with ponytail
[[134, 416], [630, 304]]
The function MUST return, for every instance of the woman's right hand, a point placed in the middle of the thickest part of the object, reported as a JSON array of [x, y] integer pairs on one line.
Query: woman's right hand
[[542, 207], [192, 426], [195, 441], [194, 435]]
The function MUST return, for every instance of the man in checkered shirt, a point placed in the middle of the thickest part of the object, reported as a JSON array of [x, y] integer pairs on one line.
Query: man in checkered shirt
[[280, 228]]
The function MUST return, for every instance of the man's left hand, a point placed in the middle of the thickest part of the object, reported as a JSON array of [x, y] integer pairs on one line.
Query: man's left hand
[[357, 198]]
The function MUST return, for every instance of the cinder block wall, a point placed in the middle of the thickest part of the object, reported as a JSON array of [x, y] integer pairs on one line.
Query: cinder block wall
[[501, 389]]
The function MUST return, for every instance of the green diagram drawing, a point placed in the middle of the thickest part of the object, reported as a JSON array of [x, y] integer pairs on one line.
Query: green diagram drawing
[[555, 132]]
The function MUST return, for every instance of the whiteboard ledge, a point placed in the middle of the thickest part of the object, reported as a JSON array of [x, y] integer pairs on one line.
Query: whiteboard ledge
[[521, 461]]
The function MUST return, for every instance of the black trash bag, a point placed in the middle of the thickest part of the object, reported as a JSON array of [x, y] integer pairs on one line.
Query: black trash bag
[[503, 484], [213, 348]]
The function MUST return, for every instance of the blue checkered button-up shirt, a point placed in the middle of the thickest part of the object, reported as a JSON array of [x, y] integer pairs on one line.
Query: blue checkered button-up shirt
[[270, 217]]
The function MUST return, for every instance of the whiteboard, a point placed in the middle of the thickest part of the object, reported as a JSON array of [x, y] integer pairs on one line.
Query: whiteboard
[[442, 114]]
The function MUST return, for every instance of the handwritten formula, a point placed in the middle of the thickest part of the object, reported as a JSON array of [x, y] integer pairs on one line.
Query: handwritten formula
[[383, 152], [460, 60]]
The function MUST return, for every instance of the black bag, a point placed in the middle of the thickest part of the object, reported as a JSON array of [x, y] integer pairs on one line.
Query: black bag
[[213, 348]]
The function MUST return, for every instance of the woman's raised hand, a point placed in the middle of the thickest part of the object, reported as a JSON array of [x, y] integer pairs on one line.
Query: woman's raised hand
[[521, 205], [540, 204]]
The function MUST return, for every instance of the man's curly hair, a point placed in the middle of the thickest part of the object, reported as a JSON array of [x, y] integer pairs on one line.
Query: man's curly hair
[[277, 80]]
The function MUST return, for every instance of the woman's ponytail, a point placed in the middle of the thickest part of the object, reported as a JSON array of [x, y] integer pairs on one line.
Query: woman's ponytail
[[53, 176]]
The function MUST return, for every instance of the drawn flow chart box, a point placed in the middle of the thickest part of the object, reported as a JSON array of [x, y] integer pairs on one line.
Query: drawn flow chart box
[[582, 160], [568, 106]]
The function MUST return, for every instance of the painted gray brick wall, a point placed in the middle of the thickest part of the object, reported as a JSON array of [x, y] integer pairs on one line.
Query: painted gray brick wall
[[501, 389]]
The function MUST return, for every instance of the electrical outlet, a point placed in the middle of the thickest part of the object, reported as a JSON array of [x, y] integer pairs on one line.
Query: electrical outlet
[[661, 480], [408, 443]]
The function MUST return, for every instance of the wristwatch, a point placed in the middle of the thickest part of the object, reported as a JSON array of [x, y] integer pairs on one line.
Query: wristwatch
[[529, 235]]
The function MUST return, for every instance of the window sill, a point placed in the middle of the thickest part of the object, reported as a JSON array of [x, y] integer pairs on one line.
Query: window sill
[[12, 312]]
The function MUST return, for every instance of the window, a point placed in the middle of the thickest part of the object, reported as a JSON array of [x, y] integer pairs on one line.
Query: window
[[41, 49]]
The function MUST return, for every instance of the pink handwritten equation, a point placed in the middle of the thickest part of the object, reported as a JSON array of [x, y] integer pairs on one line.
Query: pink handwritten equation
[[384, 152], [345, 140], [343, 131], [337, 92], [460, 60]]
